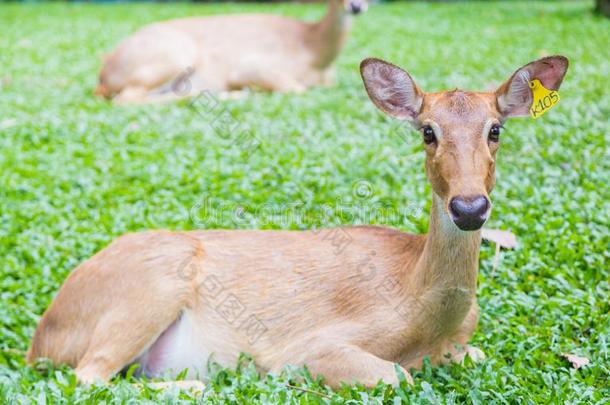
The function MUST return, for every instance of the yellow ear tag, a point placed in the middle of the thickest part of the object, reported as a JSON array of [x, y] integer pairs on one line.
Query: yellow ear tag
[[544, 99]]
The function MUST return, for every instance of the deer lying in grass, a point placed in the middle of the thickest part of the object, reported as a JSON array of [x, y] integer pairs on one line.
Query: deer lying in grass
[[224, 53], [170, 300]]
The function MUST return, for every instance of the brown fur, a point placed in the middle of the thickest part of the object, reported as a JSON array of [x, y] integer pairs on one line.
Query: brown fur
[[225, 53], [349, 314]]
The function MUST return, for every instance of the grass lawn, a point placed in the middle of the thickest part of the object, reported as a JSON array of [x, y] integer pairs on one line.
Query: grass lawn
[[75, 172]]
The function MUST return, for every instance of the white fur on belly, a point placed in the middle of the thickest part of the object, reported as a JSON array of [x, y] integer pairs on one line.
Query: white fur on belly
[[180, 347]]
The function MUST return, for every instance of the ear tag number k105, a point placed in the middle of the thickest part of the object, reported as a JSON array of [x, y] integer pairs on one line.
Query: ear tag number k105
[[543, 98]]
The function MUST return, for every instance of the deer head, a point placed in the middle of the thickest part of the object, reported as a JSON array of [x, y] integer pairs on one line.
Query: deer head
[[460, 129]]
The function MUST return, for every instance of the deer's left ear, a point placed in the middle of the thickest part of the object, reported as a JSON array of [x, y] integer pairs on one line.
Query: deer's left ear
[[515, 96]]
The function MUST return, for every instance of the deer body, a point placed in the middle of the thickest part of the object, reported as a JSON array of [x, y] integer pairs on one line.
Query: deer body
[[172, 300], [362, 299], [225, 53]]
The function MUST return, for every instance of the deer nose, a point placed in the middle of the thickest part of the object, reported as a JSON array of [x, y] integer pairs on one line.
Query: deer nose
[[356, 7], [469, 213]]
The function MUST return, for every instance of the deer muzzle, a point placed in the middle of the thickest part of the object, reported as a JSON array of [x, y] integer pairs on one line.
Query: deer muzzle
[[469, 213]]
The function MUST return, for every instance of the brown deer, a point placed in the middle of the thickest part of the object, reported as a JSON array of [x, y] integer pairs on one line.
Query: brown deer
[[170, 301], [225, 53]]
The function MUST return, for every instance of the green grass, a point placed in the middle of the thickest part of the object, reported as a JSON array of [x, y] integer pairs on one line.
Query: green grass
[[75, 172]]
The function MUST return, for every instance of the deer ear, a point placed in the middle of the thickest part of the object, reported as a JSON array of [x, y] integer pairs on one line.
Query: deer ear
[[391, 89], [515, 96]]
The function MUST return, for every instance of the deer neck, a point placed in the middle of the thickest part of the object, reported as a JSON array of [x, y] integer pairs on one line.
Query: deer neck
[[326, 37], [450, 258]]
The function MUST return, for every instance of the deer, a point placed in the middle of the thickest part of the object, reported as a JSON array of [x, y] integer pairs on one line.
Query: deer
[[227, 53], [167, 302]]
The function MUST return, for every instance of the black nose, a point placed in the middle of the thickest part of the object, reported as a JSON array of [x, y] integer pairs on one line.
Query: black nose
[[356, 7], [469, 213]]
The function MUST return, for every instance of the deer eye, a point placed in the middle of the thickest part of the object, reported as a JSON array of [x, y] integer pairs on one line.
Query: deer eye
[[429, 136], [494, 133]]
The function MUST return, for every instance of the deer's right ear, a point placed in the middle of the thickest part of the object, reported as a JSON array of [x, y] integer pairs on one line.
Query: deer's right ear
[[391, 89]]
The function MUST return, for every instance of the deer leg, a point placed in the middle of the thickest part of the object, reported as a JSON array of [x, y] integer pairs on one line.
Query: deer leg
[[352, 364], [143, 95], [328, 77], [475, 354], [119, 338], [268, 81], [138, 95], [132, 95], [283, 84], [458, 347]]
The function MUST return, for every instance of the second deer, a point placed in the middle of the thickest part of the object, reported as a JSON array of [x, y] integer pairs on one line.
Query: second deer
[[172, 300], [224, 53]]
